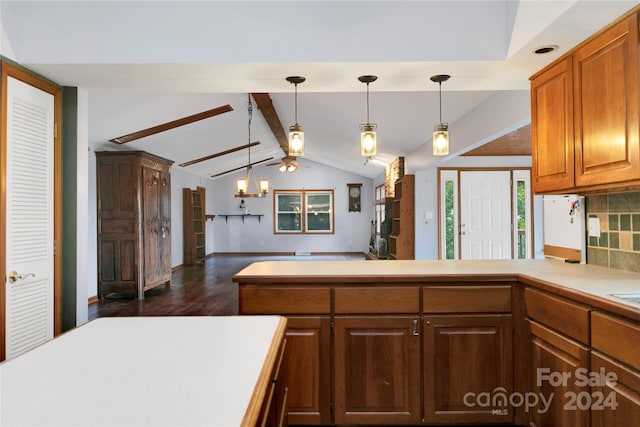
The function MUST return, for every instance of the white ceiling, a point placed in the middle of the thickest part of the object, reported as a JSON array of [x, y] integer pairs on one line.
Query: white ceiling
[[144, 63]]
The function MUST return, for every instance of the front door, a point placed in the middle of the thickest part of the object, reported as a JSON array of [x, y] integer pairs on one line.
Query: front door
[[29, 180], [485, 214]]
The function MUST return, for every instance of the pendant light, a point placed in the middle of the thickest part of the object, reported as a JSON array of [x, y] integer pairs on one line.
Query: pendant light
[[296, 132], [368, 130], [242, 185], [440, 131]]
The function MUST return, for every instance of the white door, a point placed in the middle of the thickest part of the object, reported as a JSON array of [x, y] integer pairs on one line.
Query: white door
[[29, 217], [485, 214]]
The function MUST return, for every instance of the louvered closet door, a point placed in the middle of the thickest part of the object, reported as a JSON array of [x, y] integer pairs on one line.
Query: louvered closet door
[[29, 217]]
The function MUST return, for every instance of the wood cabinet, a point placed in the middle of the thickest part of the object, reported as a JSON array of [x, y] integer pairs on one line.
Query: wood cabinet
[[134, 222], [552, 151], [585, 114], [273, 412], [466, 356], [308, 370], [559, 331], [606, 111], [357, 354], [401, 239], [555, 354], [377, 366], [467, 351], [193, 224], [615, 352]]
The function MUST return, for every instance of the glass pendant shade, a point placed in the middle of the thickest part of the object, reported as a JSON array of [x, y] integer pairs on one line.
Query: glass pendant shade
[[296, 140], [368, 140], [441, 140]]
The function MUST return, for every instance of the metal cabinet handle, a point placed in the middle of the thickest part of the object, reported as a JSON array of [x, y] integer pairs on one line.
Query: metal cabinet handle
[[415, 328], [14, 276]]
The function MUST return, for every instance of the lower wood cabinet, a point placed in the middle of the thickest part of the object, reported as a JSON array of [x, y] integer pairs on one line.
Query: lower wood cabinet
[[615, 356], [554, 361], [307, 370], [467, 357], [617, 402], [377, 370]]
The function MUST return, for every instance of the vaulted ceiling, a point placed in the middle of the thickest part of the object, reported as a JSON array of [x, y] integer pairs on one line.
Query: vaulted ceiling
[[147, 63]]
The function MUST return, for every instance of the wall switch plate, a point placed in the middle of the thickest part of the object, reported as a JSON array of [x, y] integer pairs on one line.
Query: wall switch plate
[[428, 215], [594, 226]]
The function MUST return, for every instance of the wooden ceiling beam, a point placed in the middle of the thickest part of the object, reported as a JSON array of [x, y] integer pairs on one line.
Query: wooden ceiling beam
[[241, 167], [265, 105], [218, 154], [172, 124]]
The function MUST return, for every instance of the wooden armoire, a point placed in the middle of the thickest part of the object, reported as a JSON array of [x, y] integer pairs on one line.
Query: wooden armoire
[[134, 222]]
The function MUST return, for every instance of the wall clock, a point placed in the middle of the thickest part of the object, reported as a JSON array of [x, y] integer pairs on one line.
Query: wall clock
[[354, 197]]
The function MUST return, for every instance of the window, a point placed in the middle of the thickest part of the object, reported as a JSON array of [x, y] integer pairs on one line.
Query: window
[[303, 211], [449, 214]]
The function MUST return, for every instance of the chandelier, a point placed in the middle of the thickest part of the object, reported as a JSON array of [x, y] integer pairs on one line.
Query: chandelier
[[242, 185]]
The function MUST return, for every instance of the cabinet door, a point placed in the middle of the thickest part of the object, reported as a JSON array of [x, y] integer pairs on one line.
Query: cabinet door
[[377, 370], [552, 153], [614, 403], [606, 106], [464, 357], [307, 370], [151, 226], [554, 360]]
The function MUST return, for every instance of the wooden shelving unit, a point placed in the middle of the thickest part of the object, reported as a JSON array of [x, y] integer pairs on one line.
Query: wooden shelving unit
[[401, 239], [193, 202]]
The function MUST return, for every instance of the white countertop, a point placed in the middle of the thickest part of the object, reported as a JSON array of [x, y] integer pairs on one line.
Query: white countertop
[[140, 371], [588, 279]]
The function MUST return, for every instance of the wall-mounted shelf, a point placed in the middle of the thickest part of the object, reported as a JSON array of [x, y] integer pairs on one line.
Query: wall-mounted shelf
[[209, 217], [226, 216]]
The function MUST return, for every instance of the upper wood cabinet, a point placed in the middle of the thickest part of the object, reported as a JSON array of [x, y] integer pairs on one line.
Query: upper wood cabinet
[[584, 113], [552, 131]]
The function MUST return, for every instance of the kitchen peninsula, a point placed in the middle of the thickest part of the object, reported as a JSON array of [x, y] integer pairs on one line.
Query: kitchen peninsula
[[149, 371], [411, 342]]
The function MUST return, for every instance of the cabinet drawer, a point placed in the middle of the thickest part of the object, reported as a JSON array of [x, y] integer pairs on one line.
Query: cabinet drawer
[[375, 300], [617, 338], [284, 300], [466, 299], [566, 317]]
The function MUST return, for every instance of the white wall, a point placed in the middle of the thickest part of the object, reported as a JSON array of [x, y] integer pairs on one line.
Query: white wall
[[83, 254], [352, 229]]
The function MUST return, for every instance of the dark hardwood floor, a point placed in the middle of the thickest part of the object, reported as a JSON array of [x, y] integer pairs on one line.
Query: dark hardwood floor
[[201, 290]]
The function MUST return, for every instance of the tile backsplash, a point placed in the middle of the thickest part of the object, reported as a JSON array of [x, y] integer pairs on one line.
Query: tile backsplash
[[618, 246]]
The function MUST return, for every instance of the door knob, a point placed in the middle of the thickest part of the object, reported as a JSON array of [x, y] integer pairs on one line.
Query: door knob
[[14, 276]]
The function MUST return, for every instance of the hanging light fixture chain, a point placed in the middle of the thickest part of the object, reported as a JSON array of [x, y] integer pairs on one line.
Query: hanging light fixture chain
[[296, 102], [250, 111]]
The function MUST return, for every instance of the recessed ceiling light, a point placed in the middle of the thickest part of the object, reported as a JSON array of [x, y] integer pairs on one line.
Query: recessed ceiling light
[[545, 49]]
